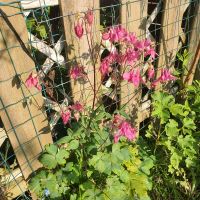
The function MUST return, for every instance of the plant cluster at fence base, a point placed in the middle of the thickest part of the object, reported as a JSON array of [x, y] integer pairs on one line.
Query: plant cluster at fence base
[[174, 136], [86, 164], [102, 156]]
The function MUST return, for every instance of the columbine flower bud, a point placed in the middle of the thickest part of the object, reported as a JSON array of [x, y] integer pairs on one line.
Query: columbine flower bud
[[32, 81], [89, 16], [78, 28]]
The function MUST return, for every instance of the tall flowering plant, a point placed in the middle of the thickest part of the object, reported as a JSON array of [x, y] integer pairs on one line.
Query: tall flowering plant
[[99, 157]]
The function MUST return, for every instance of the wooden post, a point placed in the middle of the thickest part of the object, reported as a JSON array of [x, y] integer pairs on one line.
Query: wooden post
[[25, 123], [78, 50], [133, 15], [172, 14], [194, 46]]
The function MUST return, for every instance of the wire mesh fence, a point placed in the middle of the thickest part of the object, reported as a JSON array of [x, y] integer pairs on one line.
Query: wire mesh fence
[[38, 36]]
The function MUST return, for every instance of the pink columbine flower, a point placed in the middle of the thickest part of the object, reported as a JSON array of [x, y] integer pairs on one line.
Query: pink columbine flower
[[151, 72], [77, 107], [126, 130], [133, 77], [107, 62], [32, 81], [151, 52], [131, 38], [77, 72], [78, 28], [166, 76], [105, 36], [131, 56], [66, 116], [143, 44], [104, 67], [89, 16], [117, 34]]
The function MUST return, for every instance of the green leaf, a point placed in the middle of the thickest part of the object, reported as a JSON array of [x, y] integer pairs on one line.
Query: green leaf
[[91, 194], [175, 160], [100, 116], [74, 144], [171, 129], [112, 190], [48, 161], [61, 156], [98, 162], [188, 125], [30, 23], [180, 57], [68, 167], [161, 104], [141, 184], [51, 149], [147, 164], [177, 109], [64, 140], [42, 31], [73, 197], [35, 182], [52, 185]]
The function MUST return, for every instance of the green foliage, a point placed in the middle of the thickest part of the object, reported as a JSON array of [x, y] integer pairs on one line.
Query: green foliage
[[86, 164], [37, 24], [174, 137]]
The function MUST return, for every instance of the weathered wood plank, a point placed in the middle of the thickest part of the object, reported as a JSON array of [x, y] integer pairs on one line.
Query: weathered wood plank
[[133, 15], [78, 50], [194, 46], [171, 30], [25, 124], [3, 136]]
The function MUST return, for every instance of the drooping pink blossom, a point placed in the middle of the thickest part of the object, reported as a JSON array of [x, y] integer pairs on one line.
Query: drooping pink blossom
[[147, 44], [117, 34], [32, 81], [151, 52], [166, 76], [143, 44], [104, 67], [126, 130], [107, 62], [131, 55], [133, 77], [131, 38], [66, 116], [89, 16], [77, 72], [151, 72], [78, 28], [105, 36], [77, 107]]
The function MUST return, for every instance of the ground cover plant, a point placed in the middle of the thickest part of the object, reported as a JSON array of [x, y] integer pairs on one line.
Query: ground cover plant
[[102, 155]]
